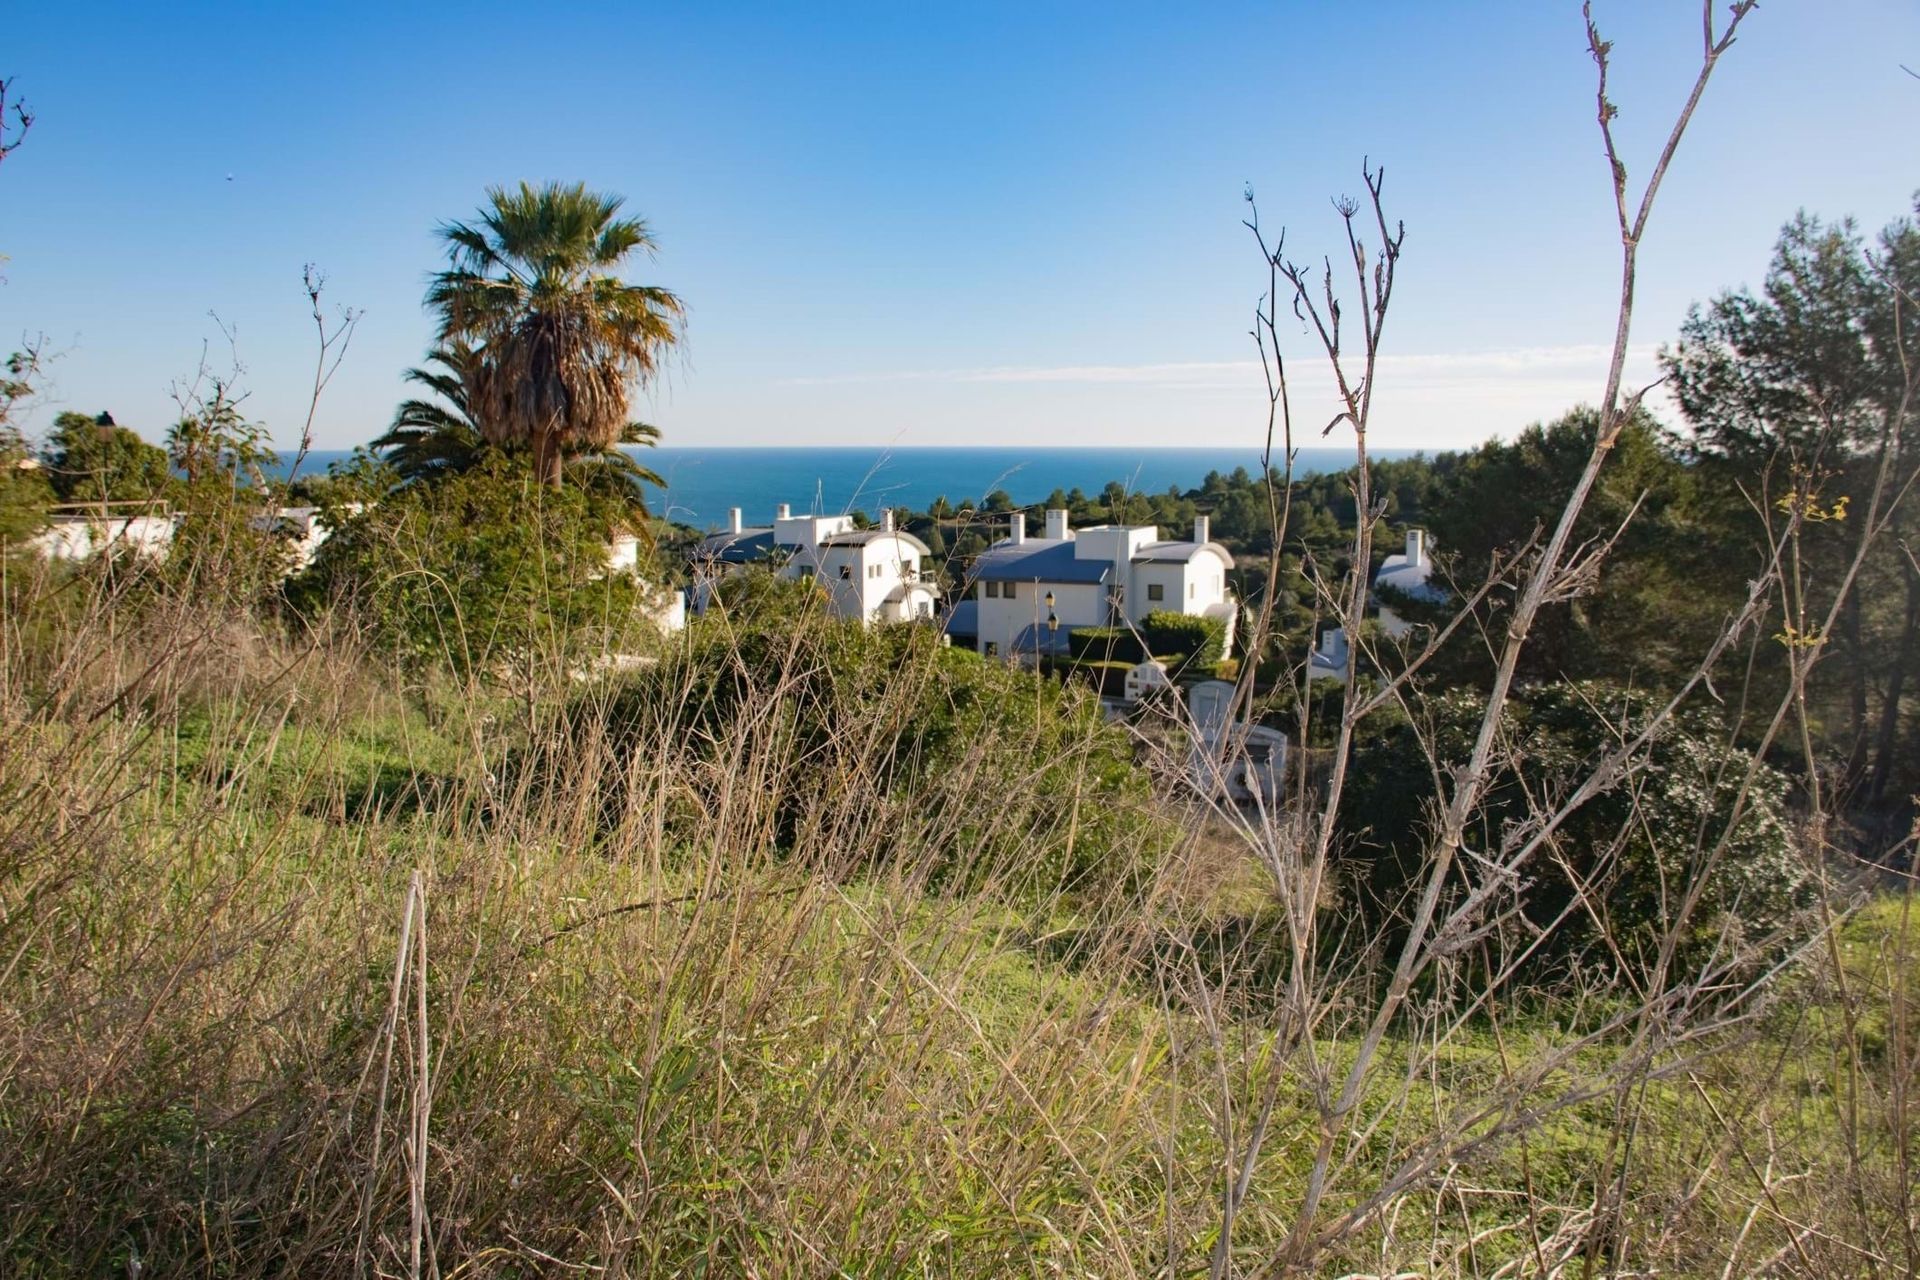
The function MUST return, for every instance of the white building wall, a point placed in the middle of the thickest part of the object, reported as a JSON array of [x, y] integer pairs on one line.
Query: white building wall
[[150, 537], [667, 611], [857, 579], [1172, 581], [838, 569], [887, 561], [1115, 543], [1076, 604], [1192, 587], [808, 531]]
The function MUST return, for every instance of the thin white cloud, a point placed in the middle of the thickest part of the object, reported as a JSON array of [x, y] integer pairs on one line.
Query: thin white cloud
[[1447, 373], [1169, 374]]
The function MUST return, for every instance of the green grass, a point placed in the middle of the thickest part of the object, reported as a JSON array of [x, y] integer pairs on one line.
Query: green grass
[[658, 1053]]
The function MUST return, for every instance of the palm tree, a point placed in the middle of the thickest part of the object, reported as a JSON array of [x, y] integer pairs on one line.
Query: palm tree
[[432, 438], [561, 339], [616, 472], [437, 437]]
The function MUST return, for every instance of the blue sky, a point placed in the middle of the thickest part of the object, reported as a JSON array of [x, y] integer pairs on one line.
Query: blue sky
[[924, 224]]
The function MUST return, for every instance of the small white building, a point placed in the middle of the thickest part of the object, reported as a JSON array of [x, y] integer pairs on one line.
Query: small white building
[[665, 607], [1328, 660], [302, 527], [1237, 761], [1148, 679], [623, 553], [1409, 573], [1030, 593], [873, 575], [83, 531]]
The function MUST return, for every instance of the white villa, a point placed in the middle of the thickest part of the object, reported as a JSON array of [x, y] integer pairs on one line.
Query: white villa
[[874, 575], [1410, 574], [1028, 594], [81, 531]]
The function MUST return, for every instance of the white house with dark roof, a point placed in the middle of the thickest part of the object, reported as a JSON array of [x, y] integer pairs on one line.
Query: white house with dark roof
[[1408, 573], [1027, 594], [1328, 659], [874, 575]]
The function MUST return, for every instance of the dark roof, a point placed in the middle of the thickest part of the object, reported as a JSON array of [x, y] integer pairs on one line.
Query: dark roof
[[1180, 552], [963, 619], [1038, 638], [861, 537], [1037, 560], [735, 548]]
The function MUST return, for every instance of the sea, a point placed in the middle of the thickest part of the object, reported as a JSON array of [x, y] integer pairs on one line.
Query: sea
[[702, 483]]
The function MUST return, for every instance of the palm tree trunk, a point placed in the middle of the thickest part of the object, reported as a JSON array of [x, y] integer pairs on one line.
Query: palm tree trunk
[[546, 458]]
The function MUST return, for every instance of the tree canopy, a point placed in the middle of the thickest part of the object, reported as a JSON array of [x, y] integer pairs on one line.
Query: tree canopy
[[561, 340]]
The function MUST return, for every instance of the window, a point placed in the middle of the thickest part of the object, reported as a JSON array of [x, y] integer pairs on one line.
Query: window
[[1011, 591], [846, 572], [805, 571], [1156, 591], [873, 571], [1193, 589], [990, 591], [993, 649]]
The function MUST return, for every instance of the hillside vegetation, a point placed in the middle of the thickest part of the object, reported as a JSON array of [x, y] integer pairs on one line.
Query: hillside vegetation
[[311, 960], [425, 901]]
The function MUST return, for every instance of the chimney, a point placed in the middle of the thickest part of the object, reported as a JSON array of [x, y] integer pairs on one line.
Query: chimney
[[886, 520], [783, 512], [1416, 546], [1017, 528], [1056, 523], [1202, 530], [733, 519]]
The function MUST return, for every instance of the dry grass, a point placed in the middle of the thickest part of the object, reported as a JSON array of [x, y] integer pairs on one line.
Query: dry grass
[[230, 1045]]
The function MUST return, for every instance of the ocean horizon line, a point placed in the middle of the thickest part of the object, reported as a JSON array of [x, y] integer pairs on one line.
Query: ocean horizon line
[[705, 482]]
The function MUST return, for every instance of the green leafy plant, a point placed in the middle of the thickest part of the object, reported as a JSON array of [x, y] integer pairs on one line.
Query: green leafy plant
[[485, 570], [1637, 847]]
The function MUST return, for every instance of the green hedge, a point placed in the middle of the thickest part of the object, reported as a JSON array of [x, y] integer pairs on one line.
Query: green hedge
[[1105, 644], [1171, 637], [1108, 678], [1203, 640]]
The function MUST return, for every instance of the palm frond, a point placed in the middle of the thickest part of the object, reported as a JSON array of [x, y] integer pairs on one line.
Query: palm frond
[[530, 285]]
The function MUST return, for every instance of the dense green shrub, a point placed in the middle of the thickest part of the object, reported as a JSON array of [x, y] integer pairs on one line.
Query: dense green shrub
[[1178, 639], [96, 460], [25, 493], [477, 571], [1105, 644], [1107, 678], [1638, 846], [1201, 640], [880, 727]]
